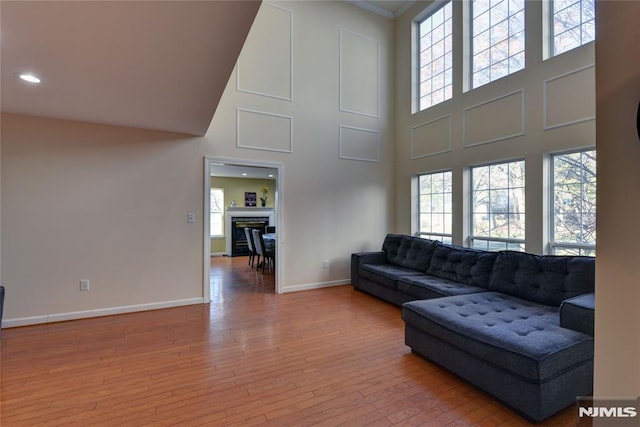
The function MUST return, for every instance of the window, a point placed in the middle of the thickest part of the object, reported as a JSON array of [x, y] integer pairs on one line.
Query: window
[[497, 209], [216, 225], [574, 204], [435, 57], [573, 23], [498, 31], [434, 212]]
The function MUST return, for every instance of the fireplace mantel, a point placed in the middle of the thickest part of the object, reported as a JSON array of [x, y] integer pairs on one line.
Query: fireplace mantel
[[245, 212]]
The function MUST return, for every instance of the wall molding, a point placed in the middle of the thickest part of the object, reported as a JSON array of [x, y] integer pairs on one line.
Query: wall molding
[[487, 102], [266, 94], [341, 83], [100, 312], [317, 285], [263, 113], [425, 124], [377, 133], [545, 116]]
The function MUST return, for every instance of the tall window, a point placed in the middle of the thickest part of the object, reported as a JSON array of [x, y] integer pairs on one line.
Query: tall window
[[435, 57], [573, 24], [574, 204], [498, 211], [216, 225], [498, 30], [434, 213]]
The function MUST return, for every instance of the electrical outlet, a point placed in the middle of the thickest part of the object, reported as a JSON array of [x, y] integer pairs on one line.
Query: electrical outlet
[[191, 217], [84, 285], [325, 263]]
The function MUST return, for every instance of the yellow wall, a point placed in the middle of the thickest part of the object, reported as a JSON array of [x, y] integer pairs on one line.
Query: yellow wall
[[234, 189]]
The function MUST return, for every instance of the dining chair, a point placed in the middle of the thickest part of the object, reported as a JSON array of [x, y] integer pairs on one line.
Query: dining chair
[[250, 245], [268, 255], [258, 245]]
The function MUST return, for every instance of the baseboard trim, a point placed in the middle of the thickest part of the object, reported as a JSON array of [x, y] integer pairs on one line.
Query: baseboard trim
[[75, 315], [318, 285]]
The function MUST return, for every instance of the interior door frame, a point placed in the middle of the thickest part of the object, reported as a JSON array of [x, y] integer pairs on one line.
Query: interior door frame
[[278, 214]]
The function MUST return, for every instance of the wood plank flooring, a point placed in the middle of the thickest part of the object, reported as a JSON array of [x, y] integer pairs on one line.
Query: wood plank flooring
[[329, 357]]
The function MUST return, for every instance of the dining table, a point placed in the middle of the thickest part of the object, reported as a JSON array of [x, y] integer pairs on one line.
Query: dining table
[[269, 241]]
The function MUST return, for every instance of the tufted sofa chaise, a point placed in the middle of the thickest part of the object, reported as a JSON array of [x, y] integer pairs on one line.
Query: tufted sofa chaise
[[517, 325]]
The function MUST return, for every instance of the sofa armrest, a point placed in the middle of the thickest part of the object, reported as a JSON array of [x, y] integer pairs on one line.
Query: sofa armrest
[[578, 313], [357, 259]]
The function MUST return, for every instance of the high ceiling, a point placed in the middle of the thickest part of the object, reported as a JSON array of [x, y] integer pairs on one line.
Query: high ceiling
[[159, 65], [387, 8], [149, 64]]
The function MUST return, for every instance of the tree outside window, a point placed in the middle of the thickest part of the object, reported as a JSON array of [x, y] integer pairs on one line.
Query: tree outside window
[[498, 206], [498, 39], [435, 57], [435, 206], [573, 23], [574, 204]]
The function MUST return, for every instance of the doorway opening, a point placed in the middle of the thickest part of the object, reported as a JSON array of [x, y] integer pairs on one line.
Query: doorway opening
[[245, 189]]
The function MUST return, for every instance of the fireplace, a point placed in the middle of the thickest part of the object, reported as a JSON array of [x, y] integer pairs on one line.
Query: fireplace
[[239, 245], [236, 219]]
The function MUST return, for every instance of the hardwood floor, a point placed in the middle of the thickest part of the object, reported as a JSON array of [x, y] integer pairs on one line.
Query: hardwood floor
[[327, 357]]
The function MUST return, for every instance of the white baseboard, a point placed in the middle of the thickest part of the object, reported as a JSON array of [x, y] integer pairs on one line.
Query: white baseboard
[[318, 285], [60, 317]]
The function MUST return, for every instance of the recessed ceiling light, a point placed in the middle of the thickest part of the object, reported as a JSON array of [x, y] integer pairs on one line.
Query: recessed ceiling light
[[244, 174], [27, 77]]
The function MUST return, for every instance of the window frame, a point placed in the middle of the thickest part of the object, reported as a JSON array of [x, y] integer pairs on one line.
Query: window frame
[[470, 84], [553, 245], [211, 213], [427, 14], [509, 243], [443, 237], [549, 32]]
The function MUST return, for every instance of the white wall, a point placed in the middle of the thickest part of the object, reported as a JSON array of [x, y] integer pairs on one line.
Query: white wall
[[83, 201], [333, 206], [517, 106], [617, 353]]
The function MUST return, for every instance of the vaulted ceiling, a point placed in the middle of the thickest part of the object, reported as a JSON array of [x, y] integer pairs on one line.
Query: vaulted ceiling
[[148, 64], [159, 65]]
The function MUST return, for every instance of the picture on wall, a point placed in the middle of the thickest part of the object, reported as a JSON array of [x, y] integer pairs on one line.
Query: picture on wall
[[249, 199]]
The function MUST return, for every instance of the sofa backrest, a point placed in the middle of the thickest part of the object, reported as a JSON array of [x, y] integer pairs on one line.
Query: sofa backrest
[[410, 252], [464, 265], [545, 279]]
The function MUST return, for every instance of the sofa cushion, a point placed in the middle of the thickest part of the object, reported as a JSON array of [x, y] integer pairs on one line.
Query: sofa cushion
[[410, 252], [543, 279], [470, 266], [427, 287], [386, 275], [522, 337], [577, 313]]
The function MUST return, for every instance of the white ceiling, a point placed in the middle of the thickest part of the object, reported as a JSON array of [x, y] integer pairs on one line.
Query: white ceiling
[[238, 171], [159, 65], [149, 64]]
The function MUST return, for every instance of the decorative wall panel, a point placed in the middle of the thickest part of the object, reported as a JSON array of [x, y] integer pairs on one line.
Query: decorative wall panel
[[359, 74], [359, 144], [264, 131], [268, 49], [566, 100], [431, 138], [494, 120]]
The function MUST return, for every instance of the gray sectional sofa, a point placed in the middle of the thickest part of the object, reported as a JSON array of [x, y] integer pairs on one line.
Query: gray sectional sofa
[[517, 325]]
